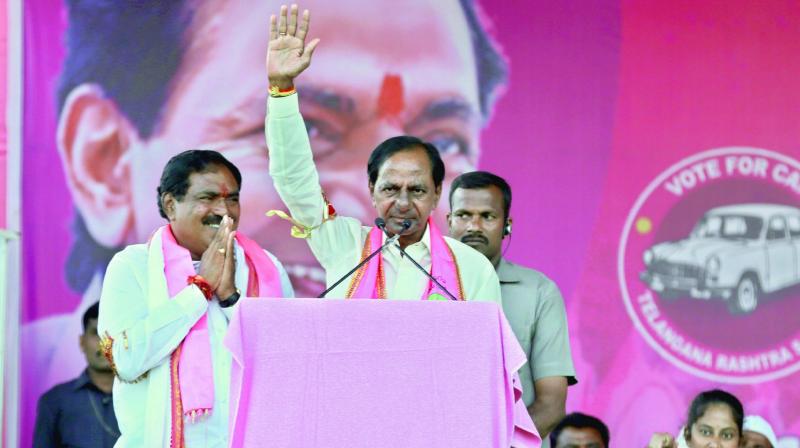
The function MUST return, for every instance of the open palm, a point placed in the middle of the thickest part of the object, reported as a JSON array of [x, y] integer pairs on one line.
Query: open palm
[[288, 54]]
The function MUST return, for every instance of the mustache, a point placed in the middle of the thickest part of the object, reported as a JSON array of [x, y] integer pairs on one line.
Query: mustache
[[474, 237], [213, 219]]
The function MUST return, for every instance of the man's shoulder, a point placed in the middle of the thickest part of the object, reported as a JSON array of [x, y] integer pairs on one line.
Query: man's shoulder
[[525, 275], [130, 259], [58, 392], [132, 252]]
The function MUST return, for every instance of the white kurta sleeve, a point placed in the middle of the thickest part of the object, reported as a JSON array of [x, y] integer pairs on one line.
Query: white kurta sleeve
[[142, 337], [291, 165], [291, 162]]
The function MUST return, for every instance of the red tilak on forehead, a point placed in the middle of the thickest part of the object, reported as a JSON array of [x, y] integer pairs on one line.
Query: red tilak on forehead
[[223, 191], [391, 100]]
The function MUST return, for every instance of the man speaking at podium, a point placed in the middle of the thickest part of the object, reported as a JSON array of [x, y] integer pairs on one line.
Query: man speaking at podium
[[405, 177]]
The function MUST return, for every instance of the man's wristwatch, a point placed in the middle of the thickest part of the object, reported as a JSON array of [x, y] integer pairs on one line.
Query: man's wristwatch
[[231, 300]]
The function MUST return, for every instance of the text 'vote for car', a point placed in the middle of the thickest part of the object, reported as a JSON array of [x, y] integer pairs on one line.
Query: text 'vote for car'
[[736, 253]]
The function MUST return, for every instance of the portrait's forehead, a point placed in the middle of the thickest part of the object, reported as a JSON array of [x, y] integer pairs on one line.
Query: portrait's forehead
[[376, 38]]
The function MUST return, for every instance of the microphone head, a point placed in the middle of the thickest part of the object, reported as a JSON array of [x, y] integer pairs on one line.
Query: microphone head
[[406, 224], [380, 222]]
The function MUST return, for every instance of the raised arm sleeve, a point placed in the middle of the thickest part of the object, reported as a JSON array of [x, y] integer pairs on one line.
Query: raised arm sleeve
[[142, 337], [291, 162], [291, 165]]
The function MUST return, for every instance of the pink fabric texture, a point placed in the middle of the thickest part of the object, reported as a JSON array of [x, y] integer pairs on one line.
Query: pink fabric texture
[[368, 373], [443, 268], [195, 372]]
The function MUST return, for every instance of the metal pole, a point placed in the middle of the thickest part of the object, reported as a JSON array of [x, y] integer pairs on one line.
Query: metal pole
[[5, 236], [11, 254]]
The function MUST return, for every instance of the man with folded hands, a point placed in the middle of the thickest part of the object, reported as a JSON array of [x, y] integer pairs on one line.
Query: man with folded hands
[[165, 307]]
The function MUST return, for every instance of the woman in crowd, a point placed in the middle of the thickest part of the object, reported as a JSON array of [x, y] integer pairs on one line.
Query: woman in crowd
[[715, 420]]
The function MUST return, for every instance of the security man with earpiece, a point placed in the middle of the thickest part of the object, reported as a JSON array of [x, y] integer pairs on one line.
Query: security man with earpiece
[[479, 217]]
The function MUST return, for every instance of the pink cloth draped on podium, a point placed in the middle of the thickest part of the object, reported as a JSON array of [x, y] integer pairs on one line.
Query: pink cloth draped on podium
[[369, 373]]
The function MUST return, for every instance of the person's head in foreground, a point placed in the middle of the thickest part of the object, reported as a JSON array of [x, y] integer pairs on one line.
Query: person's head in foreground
[[479, 212], [90, 342], [715, 419], [142, 79], [758, 433], [199, 195], [579, 430]]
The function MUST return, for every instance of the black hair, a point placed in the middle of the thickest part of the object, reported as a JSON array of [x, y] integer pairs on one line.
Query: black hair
[[579, 420], [175, 177], [91, 313], [492, 67], [133, 49], [483, 179], [703, 400], [393, 145]]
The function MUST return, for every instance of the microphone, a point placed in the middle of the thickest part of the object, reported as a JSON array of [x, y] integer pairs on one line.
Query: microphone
[[406, 226], [380, 223]]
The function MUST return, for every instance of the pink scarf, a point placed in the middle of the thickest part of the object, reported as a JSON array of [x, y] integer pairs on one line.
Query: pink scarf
[[191, 370], [369, 281]]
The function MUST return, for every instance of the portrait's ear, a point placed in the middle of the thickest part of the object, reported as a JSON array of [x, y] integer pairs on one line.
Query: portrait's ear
[[94, 141]]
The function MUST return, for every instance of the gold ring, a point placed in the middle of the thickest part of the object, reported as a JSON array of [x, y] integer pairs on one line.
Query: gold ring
[[221, 250]]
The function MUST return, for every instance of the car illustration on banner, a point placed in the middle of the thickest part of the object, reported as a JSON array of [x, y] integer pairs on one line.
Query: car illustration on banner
[[736, 253]]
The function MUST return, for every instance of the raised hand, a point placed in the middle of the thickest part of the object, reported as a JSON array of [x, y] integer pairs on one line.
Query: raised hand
[[212, 263], [288, 54]]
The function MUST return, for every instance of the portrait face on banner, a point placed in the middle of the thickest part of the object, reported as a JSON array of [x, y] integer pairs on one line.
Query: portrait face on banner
[[366, 84], [604, 99]]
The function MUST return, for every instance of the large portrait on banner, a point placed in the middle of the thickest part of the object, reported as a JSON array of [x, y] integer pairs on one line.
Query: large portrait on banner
[[579, 105]]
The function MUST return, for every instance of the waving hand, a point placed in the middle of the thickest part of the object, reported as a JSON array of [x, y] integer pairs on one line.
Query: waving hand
[[288, 53]]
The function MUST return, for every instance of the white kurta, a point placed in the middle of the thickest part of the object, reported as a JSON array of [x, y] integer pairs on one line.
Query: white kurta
[[154, 325], [338, 243]]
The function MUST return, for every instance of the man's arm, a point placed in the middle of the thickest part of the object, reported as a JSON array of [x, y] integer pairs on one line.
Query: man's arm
[[142, 337], [291, 160], [551, 358], [549, 405]]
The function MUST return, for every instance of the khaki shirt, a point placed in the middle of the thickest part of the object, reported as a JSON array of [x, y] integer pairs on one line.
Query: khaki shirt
[[535, 309]]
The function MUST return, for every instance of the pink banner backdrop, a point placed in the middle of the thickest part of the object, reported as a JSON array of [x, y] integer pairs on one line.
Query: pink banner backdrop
[[623, 128]]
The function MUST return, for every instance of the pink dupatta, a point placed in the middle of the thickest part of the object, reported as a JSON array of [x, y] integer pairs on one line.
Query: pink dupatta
[[191, 371], [369, 281]]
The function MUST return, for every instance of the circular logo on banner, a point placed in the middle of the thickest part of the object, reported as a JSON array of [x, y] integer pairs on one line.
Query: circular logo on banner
[[709, 265]]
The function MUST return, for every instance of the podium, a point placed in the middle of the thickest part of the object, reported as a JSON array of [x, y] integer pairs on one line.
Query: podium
[[375, 373]]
